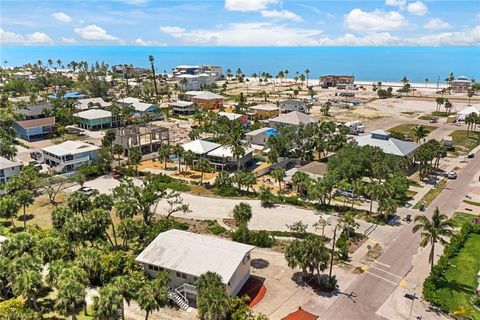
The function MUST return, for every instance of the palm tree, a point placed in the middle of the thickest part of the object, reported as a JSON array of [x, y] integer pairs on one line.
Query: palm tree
[[470, 94], [448, 106], [242, 213], [108, 305], [301, 180], [24, 198], [152, 59], [28, 284], [278, 174], [9, 208], [71, 298], [326, 108], [134, 158], [433, 230], [420, 133], [307, 72], [212, 299], [153, 294], [126, 287], [117, 150], [177, 150], [426, 82], [164, 154], [188, 157], [203, 165]]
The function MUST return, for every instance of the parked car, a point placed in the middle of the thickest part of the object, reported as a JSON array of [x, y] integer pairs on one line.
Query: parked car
[[87, 191], [35, 155], [471, 155], [452, 175], [117, 174]]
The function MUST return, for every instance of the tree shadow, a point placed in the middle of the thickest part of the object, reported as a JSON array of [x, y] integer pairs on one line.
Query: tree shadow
[[259, 263], [304, 280]]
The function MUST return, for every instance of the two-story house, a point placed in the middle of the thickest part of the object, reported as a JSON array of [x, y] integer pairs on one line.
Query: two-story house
[[9, 169], [68, 156]]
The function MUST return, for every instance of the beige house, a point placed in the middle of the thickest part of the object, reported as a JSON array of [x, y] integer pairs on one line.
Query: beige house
[[185, 256]]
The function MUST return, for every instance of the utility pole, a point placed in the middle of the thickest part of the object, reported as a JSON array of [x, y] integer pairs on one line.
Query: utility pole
[[332, 253], [438, 82]]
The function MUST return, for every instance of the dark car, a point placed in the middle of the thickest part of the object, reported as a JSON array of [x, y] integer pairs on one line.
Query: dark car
[[471, 155], [35, 155]]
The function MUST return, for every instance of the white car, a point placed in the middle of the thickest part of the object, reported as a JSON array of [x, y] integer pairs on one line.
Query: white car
[[452, 175]]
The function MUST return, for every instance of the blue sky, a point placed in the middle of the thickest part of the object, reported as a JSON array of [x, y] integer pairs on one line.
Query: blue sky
[[240, 22]]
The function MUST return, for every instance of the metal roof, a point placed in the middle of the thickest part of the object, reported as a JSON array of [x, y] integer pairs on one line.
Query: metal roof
[[388, 145], [194, 254], [93, 114], [70, 147]]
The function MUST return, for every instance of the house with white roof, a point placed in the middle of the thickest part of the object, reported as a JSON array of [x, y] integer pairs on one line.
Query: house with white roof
[[69, 156], [146, 110], [185, 256], [93, 119], [389, 145], [91, 103], [208, 100], [195, 82], [183, 107], [294, 118], [200, 147], [223, 158], [292, 105], [260, 136], [124, 102], [9, 169], [230, 115]]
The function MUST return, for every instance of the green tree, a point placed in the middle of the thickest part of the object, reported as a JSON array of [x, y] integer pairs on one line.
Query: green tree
[[8, 208], [164, 154], [28, 284], [242, 213], [420, 133], [71, 298], [153, 294], [134, 158], [108, 304], [203, 165], [118, 151], [278, 174], [24, 198], [301, 180], [212, 300], [433, 231]]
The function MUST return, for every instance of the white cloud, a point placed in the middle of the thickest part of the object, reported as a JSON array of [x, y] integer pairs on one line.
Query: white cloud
[[248, 5], [170, 29], [469, 37], [436, 24], [396, 3], [7, 37], [93, 32], [146, 43], [373, 39], [62, 17], [377, 20], [281, 14], [248, 34], [134, 1], [68, 40], [417, 8]]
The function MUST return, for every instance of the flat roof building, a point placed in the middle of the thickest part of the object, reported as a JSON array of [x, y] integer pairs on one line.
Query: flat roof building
[[69, 156], [147, 137]]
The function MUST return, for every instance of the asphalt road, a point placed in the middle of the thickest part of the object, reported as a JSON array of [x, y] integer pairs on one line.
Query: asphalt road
[[374, 286]]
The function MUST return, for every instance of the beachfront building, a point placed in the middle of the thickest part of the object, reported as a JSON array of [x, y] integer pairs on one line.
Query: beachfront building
[[183, 107], [462, 114], [9, 169], [461, 85], [264, 111], [292, 105], [146, 137], [215, 71], [293, 119], [223, 158], [34, 128], [185, 256], [35, 111], [260, 136], [91, 103], [94, 119], [208, 100], [195, 82], [389, 145], [340, 82], [25, 75], [74, 95], [69, 156]]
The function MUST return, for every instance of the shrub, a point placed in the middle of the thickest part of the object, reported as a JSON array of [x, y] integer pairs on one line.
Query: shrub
[[216, 229], [228, 192], [260, 239], [91, 170]]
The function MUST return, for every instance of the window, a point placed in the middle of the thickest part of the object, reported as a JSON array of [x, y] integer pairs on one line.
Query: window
[[150, 267], [181, 275]]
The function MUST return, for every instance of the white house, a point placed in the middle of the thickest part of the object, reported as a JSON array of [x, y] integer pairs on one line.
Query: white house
[[185, 256], [92, 119], [124, 102], [223, 158], [84, 104], [293, 118], [292, 105], [200, 147], [142, 109], [183, 107], [260, 136], [9, 169], [195, 82], [230, 115], [68, 156], [389, 145]]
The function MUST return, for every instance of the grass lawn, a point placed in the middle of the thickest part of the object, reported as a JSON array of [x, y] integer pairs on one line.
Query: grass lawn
[[462, 278], [407, 129], [459, 218], [464, 143], [473, 203], [431, 195]]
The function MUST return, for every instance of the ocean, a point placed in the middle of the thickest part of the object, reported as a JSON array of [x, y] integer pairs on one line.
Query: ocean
[[365, 63]]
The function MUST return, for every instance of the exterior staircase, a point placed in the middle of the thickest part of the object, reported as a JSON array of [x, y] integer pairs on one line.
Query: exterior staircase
[[179, 300]]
